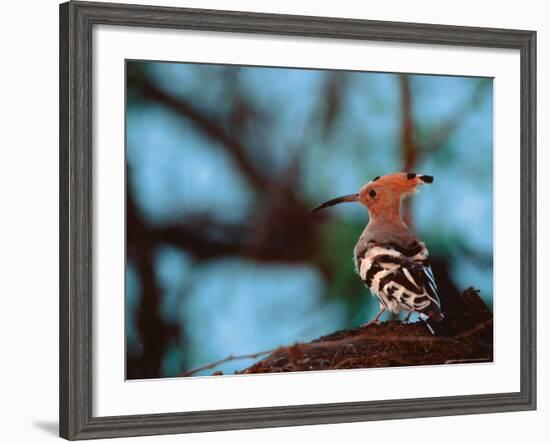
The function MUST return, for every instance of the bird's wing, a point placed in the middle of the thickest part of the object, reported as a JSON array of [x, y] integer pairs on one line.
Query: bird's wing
[[420, 274], [400, 273]]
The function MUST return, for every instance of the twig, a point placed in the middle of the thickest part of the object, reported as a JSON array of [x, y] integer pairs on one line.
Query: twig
[[467, 361], [475, 329], [224, 360], [342, 363]]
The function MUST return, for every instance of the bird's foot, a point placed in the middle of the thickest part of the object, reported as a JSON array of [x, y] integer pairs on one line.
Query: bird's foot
[[376, 319]]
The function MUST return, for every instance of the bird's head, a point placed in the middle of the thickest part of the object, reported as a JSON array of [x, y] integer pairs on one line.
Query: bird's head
[[383, 194]]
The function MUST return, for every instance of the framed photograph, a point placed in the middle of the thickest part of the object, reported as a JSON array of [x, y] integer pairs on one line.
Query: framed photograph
[[271, 220]]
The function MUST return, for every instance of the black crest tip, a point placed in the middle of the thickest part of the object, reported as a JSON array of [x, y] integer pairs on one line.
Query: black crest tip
[[427, 178]]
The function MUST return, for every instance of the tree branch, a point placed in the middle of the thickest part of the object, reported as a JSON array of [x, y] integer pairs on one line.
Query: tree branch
[[393, 344], [209, 125], [223, 361]]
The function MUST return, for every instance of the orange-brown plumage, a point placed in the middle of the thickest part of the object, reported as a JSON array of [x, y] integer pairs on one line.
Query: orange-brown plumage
[[383, 196]]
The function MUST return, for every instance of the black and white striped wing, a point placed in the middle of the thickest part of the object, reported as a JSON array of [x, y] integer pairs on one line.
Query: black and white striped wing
[[400, 279], [419, 291]]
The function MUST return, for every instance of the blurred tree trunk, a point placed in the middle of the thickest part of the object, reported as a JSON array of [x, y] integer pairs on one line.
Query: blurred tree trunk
[[155, 334], [409, 151]]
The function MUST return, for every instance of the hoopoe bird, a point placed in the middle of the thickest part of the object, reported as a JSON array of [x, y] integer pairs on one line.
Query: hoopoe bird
[[392, 262]]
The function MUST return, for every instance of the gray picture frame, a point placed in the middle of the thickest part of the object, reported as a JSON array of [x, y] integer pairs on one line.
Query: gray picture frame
[[77, 20]]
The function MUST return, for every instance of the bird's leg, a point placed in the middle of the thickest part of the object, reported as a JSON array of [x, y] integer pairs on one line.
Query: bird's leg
[[376, 319], [406, 320]]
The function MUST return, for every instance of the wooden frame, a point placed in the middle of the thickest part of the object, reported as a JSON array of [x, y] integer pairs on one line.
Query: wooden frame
[[76, 243]]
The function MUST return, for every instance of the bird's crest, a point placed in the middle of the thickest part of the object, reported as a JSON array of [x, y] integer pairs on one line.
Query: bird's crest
[[383, 194]]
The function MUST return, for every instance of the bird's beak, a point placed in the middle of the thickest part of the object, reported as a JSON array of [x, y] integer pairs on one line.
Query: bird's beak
[[343, 199]]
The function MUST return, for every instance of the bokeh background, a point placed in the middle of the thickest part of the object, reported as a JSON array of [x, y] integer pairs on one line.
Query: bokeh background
[[223, 165]]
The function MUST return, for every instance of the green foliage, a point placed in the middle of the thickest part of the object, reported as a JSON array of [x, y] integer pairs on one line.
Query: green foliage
[[337, 240]]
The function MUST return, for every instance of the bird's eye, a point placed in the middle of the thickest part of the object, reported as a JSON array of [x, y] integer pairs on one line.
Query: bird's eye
[[372, 193]]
